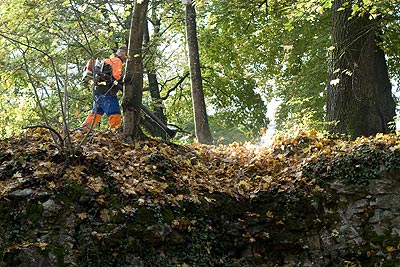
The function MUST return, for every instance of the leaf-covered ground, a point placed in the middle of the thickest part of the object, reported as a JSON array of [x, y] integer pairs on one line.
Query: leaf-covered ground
[[156, 171], [171, 205]]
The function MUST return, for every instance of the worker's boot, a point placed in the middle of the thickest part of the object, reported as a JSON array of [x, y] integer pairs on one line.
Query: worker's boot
[[115, 122], [90, 122]]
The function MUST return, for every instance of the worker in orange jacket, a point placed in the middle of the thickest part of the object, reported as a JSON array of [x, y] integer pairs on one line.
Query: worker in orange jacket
[[107, 77]]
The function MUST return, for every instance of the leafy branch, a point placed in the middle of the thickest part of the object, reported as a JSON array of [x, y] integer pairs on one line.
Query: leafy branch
[[66, 147]]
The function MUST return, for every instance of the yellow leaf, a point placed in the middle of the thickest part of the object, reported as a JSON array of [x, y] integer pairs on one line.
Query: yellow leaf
[[390, 248], [104, 215], [269, 214], [127, 209], [246, 235], [41, 245], [96, 184], [320, 10], [257, 255], [326, 151], [243, 184], [38, 173], [52, 185], [314, 158], [17, 175], [175, 223], [101, 199], [209, 200], [82, 215], [266, 186], [318, 144]]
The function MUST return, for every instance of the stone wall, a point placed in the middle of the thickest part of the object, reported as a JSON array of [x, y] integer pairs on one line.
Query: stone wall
[[334, 224]]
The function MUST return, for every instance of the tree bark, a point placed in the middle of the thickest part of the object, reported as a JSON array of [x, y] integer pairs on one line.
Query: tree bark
[[202, 128], [133, 88], [359, 96]]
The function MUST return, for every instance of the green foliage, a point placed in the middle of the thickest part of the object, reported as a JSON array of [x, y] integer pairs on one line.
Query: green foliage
[[227, 132], [291, 118], [366, 162], [287, 63], [250, 53], [35, 59], [390, 29]]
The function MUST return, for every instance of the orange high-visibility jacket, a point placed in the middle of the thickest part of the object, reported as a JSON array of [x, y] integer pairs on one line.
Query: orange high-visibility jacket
[[116, 66]]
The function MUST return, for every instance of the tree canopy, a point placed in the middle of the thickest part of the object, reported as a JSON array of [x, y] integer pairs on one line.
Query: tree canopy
[[250, 53]]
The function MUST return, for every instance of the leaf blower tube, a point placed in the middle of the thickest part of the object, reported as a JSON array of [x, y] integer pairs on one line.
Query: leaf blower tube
[[159, 122], [152, 116]]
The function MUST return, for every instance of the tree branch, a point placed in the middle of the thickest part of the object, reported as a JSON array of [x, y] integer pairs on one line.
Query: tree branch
[[176, 86]]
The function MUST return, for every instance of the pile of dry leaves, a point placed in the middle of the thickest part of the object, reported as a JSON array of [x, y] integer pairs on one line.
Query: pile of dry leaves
[[162, 171]]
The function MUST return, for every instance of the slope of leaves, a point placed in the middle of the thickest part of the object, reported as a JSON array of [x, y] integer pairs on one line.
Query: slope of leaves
[[169, 204], [158, 172]]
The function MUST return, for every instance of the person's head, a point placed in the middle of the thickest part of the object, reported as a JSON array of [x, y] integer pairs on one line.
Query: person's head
[[122, 53]]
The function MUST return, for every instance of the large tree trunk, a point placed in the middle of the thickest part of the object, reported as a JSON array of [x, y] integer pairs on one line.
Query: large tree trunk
[[359, 91], [133, 88], [202, 128]]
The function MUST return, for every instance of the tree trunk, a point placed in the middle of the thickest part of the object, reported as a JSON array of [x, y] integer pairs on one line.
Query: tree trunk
[[202, 128], [133, 88], [359, 97], [157, 105]]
